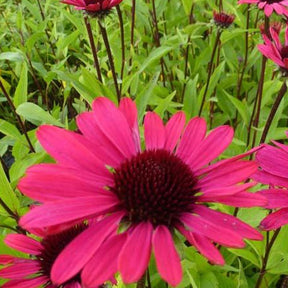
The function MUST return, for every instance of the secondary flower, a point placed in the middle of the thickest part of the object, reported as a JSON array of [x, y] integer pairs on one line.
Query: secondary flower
[[279, 6], [35, 272], [222, 19], [97, 8], [147, 193], [274, 163], [274, 50]]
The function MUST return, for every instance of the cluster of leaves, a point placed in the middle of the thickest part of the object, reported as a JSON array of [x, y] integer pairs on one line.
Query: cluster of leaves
[[47, 71]]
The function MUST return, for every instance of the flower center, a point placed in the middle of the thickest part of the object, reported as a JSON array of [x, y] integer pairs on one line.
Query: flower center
[[284, 52], [53, 246], [155, 186], [271, 1]]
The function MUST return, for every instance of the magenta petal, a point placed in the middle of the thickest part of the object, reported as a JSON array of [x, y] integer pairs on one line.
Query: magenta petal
[[6, 259], [26, 283], [154, 131], [24, 244], [204, 246], [135, 254], [80, 250], [275, 220], [270, 179], [72, 285], [173, 130], [166, 256], [60, 212], [103, 265], [20, 270], [228, 221], [217, 233], [277, 198]]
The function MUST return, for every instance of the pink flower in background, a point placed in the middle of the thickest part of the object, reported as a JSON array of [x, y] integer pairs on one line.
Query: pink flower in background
[[35, 272], [223, 19], [279, 6], [274, 163], [147, 193], [274, 50], [94, 7]]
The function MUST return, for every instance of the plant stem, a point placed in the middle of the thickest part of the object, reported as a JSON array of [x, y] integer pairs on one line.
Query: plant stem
[[93, 48], [122, 43], [273, 111], [210, 65], [21, 123], [266, 256], [141, 282], [110, 57], [132, 30]]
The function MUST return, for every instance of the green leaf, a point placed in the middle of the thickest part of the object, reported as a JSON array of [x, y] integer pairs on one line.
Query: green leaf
[[36, 114], [10, 130], [12, 56], [162, 107], [20, 95]]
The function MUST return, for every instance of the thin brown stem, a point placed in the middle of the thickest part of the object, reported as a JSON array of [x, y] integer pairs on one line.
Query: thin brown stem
[[266, 256], [93, 48], [132, 31], [210, 65], [273, 111], [110, 57], [141, 282], [20, 122]]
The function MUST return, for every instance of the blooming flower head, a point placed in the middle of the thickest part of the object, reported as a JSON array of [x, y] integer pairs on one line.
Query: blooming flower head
[[95, 8], [277, 26], [279, 6], [222, 19], [274, 50], [144, 194], [273, 163], [35, 272]]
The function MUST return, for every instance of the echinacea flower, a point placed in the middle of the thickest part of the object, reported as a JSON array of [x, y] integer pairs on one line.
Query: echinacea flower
[[147, 193], [274, 50], [34, 272], [222, 19], [273, 162], [94, 8], [279, 6]]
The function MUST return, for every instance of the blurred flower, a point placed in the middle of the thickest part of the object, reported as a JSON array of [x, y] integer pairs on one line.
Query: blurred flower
[[277, 26], [145, 194], [95, 8], [279, 6], [35, 272], [222, 19], [274, 50], [273, 162]]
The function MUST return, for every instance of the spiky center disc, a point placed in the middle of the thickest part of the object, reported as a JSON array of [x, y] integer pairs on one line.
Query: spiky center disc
[[155, 186]]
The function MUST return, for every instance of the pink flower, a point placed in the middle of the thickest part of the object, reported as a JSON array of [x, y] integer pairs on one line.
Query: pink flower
[[274, 163], [222, 19], [148, 193], [35, 272], [94, 7], [274, 50], [279, 6]]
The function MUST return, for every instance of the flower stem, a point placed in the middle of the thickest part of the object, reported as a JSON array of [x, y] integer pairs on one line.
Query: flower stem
[[132, 29], [141, 282], [122, 43], [273, 111], [210, 65], [19, 120], [93, 48], [266, 256], [110, 57]]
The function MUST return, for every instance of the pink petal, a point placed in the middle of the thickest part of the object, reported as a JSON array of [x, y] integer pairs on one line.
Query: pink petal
[[6, 259], [26, 283], [213, 231], [58, 212], [135, 254], [228, 222], [129, 110], [277, 198], [166, 256], [67, 148], [192, 137], [72, 285], [173, 130], [211, 147], [154, 131], [203, 245], [269, 179], [275, 220], [112, 122], [20, 270], [80, 250], [103, 265], [24, 244]]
